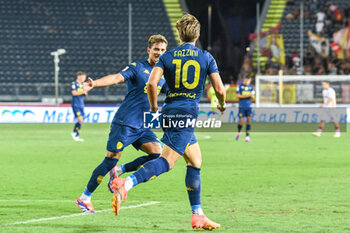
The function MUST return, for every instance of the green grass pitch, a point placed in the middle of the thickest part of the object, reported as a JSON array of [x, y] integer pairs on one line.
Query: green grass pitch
[[281, 182]]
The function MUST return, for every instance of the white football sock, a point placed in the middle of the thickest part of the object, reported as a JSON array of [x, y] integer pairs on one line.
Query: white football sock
[[85, 198], [198, 211], [128, 183]]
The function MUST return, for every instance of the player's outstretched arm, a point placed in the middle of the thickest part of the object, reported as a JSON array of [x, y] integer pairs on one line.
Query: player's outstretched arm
[[219, 88], [153, 81], [108, 80]]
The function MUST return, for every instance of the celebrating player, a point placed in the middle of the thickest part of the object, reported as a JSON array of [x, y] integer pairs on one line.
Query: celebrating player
[[245, 92], [127, 125], [78, 94], [185, 69], [329, 102]]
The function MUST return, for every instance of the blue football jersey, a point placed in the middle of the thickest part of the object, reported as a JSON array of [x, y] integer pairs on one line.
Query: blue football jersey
[[78, 101], [245, 90], [185, 70], [130, 112]]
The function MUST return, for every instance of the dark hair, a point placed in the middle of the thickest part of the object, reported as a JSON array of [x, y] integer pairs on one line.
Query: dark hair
[[247, 77], [80, 73]]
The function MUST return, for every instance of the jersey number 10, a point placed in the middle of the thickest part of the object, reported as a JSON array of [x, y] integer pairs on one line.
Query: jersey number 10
[[185, 67]]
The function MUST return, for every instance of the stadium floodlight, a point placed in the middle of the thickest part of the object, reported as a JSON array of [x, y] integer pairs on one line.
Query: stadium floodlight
[[56, 60], [58, 52]]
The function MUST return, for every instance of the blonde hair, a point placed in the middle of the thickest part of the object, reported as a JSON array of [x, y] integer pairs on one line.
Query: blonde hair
[[79, 73], [188, 28], [156, 39]]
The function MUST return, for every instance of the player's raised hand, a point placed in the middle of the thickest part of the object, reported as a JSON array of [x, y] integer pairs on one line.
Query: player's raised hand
[[87, 86], [222, 108]]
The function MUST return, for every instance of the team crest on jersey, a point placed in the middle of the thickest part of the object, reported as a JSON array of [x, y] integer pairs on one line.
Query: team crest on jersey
[[119, 145], [99, 179]]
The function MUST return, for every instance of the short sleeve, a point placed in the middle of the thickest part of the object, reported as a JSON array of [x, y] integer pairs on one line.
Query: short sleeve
[[237, 90], [129, 72], [160, 62], [73, 86], [333, 94], [212, 68]]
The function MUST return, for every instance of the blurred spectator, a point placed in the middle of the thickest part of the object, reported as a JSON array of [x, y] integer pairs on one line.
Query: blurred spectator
[[332, 69], [289, 16], [320, 16], [338, 15], [296, 13]]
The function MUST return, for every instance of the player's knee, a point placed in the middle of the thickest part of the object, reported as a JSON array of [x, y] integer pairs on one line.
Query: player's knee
[[195, 163], [80, 120], [156, 149], [171, 164], [152, 148], [115, 155]]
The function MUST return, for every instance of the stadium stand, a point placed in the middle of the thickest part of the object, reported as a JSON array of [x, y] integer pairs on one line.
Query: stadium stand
[[321, 19], [272, 19], [93, 32]]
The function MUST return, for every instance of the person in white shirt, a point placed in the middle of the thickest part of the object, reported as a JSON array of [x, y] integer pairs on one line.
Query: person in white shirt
[[320, 21], [329, 102]]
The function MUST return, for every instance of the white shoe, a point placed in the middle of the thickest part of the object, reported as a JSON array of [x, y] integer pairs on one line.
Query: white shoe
[[74, 136], [317, 134], [337, 135]]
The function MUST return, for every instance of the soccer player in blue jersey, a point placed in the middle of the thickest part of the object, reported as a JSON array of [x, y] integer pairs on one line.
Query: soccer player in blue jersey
[[127, 125], [185, 69], [78, 94], [245, 92]]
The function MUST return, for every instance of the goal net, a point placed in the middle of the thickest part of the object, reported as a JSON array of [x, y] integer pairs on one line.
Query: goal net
[[290, 90]]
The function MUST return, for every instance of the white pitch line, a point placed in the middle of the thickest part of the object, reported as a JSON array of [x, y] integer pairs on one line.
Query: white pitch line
[[71, 201], [80, 214]]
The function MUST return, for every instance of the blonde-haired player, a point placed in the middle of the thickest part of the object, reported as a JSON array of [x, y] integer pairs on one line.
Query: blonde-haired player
[[127, 124], [185, 69], [329, 103]]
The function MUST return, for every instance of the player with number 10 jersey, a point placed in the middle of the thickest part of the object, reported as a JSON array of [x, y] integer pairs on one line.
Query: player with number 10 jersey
[[185, 69]]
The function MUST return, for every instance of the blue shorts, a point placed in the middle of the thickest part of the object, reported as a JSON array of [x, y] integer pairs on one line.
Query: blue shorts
[[78, 111], [121, 136], [178, 141], [179, 138], [244, 112]]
